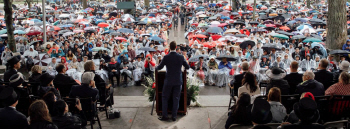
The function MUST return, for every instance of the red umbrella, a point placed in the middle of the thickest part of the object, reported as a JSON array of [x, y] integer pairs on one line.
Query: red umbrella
[[284, 28], [81, 20], [78, 31], [222, 24], [199, 36], [120, 38], [103, 24], [209, 45], [270, 25], [216, 37], [34, 30], [194, 24]]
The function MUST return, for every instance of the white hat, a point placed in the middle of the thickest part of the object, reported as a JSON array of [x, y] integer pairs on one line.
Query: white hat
[[344, 65], [276, 73]]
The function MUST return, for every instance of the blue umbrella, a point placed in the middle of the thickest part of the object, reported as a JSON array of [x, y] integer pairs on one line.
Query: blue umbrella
[[212, 5], [235, 13], [35, 20], [100, 20], [19, 32], [291, 22], [155, 38], [198, 8], [215, 30], [303, 26], [152, 5], [125, 30], [67, 25], [151, 15], [225, 18]]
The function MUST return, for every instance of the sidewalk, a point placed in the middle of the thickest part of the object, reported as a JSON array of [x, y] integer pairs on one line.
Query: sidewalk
[[135, 114]]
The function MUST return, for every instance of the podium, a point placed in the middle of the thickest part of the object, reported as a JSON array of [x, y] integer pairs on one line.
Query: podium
[[159, 79]]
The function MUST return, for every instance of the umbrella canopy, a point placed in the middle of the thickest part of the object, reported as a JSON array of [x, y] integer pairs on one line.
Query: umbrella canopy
[[245, 44], [214, 30], [228, 57], [120, 38], [240, 35], [19, 32], [3, 31], [339, 52], [147, 49], [232, 31], [268, 47], [155, 38], [125, 30], [298, 37], [102, 24], [199, 36], [95, 49], [42, 60], [312, 40], [196, 58], [34, 30], [281, 36]]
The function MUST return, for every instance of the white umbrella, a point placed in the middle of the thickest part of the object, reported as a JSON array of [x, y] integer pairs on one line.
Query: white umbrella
[[64, 16], [67, 34], [42, 60], [214, 23]]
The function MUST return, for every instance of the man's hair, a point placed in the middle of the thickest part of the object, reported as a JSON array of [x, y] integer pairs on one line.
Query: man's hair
[[172, 45], [59, 67], [324, 63], [87, 77], [245, 66], [310, 74], [294, 65], [88, 65]]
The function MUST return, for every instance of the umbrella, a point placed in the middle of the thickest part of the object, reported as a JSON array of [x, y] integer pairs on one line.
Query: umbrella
[[3, 31], [19, 32], [34, 30], [270, 46], [67, 25], [240, 35], [285, 33], [95, 49], [78, 31], [147, 49], [155, 38], [284, 28], [199, 36], [245, 44], [214, 30], [110, 6], [281, 36], [298, 37], [42, 60], [339, 52], [35, 42], [196, 58], [114, 33], [301, 19], [232, 31], [67, 34], [103, 24], [228, 57], [120, 38], [125, 30], [312, 40]]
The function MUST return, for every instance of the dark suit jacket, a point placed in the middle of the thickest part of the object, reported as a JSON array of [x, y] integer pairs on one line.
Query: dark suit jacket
[[293, 80], [173, 63], [64, 84], [12, 119], [8, 74], [302, 126], [83, 91], [238, 82], [325, 77]]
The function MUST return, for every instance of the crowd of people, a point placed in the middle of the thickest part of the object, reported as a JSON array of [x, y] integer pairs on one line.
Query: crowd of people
[[281, 45]]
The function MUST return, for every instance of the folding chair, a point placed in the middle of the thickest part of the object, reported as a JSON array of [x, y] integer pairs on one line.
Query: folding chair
[[288, 101], [342, 124], [237, 126], [104, 96]]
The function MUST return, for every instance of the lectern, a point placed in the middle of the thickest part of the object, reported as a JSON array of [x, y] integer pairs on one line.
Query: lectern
[[160, 76]]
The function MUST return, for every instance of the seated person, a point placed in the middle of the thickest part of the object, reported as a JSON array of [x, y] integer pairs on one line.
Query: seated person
[[86, 89], [113, 71], [201, 68], [126, 68], [249, 85], [224, 69], [139, 68], [239, 113], [212, 71], [16, 82], [342, 87], [278, 63], [277, 109], [10, 118], [309, 84], [46, 85], [36, 73], [12, 65], [62, 81], [64, 119]]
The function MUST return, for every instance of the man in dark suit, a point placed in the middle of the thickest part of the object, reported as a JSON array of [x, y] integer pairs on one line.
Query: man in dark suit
[[237, 82], [293, 78], [87, 88], [13, 65], [10, 118], [173, 80], [324, 76], [113, 71], [306, 51], [63, 82]]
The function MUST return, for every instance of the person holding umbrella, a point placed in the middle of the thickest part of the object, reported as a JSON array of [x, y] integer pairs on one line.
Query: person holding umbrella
[[224, 69]]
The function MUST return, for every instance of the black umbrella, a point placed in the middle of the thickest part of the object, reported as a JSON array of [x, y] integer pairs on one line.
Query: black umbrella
[[90, 31], [263, 17], [285, 33], [113, 14], [254, 22], [281, 18], [268, 47], [228, 57], [196, 58], [21, 18], [245, 44], [148, 49], [141, 23], [339, 52]]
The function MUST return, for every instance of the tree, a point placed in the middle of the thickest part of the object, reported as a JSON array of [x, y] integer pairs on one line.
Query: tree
[[29, 3], [147, 3], [234, 5], [84, 4], [308, 4], [9, 24], [254, 8], [336, 33]]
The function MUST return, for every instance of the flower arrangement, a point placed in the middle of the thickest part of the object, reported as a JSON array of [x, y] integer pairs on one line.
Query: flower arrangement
[[150, 86]]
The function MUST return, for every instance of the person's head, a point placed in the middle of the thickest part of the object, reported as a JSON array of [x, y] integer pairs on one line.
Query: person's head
[[344, 78], [250, 80], [308, 75], [88, 78], [201, 59], [296, 50], [89, 66], [172, 45], [344, 66], [286, 56], [60, 68], [274, 95], [323, 64], [14, 62], [245, 66], [9, 97], [348, 42], [46, 79], [279, 58], [60, 108], [38, 112], [260, 112], [294, 66], [36, 69], [306, 110], [113, 60]]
